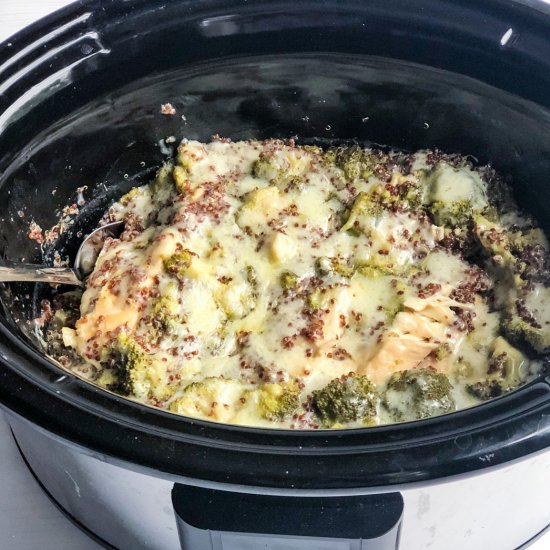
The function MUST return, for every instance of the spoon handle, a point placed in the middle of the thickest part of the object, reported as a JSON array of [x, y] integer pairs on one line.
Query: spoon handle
[[39, 274]]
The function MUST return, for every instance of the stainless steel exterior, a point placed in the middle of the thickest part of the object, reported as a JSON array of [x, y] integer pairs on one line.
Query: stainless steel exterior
[[131, 508]]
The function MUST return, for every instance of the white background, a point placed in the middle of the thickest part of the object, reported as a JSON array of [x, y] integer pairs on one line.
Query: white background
[[28, 520]]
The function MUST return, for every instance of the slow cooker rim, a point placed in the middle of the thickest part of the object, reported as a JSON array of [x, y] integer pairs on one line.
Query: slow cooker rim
[[273, 489], [56, 18]]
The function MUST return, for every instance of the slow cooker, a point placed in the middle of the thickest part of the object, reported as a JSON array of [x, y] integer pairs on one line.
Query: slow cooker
[[80, 96]]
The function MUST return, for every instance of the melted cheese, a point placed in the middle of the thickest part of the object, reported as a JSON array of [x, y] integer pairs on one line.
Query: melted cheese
[[244, 268]]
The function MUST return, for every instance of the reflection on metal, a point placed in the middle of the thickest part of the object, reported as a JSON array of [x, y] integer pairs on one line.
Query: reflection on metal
[[37, 274], [506, 37]]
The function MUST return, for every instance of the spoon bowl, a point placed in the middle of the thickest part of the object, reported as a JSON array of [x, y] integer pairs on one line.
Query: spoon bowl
[[84, 262], [88, 251]]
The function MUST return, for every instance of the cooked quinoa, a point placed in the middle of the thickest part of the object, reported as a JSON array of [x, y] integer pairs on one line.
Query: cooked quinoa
[[276, 285]]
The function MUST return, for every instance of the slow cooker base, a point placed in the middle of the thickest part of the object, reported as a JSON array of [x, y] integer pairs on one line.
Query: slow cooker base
[[107, 546], [131, 507]]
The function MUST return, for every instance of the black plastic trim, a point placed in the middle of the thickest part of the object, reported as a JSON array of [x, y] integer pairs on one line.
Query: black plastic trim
[[350, 517]]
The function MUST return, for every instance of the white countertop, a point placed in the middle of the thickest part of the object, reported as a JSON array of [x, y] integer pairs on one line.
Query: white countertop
[[28, 519], [16, 14]]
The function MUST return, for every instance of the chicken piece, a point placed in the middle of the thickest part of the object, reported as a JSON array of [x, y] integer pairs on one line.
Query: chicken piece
[[109, 313], [416, 332], [334, 321], [260, 206], [282, 249], [410, 340], [436, 307]]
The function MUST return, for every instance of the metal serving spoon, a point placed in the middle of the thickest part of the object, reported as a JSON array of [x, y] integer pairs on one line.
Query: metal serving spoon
[[84, 262]]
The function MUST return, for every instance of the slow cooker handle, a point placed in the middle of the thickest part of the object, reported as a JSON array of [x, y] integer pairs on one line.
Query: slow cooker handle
[[212, 519]]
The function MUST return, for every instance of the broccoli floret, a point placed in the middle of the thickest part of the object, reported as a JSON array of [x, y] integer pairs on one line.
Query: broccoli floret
[[135, 373], [532, 236], [125, 356], [522, 252], [334, 266], [353, 161], [454, 195], [398, 194], [520, 257], [314, 149], [406, 193], [441, 352], [317, 299], [128, 197], [379, 264], [376, 266], [278, 401], [266, 167], [190, 153], [221, 399], [507, 242], [177, 264], [370, 271], [494, 239], [527, 318], [288, 280], [506, 362], [165, 305], [487, 389], [163, 184], [521, 330], [418, 393], [164, 314], [451, 213], [282, 167], [365, 204], [215, 397], [181, 178], [351, 398], [503, 373]]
